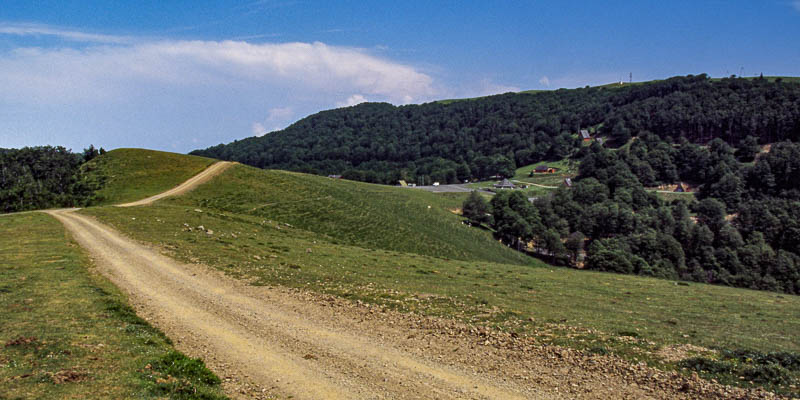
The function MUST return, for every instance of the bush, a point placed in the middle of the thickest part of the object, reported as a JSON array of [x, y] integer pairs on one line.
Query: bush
[[181, 377], [771, 369], [767, 374], [702, 364]]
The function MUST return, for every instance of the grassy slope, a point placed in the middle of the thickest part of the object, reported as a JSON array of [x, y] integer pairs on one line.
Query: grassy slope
[[328, 249], [567, 169], [133, 174], [658, 310], [342, 234], [353, 213], [76, 323]]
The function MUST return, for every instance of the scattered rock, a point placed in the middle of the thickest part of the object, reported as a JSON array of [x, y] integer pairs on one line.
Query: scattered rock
[[680, 352], [68, 376], [22, 341]]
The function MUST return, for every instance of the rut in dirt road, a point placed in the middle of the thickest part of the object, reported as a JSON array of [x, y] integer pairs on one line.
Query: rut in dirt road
[[264, 340]]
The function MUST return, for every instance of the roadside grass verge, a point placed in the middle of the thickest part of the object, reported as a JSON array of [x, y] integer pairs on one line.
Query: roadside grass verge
[[67, 333], [125, 175], [778, 371]]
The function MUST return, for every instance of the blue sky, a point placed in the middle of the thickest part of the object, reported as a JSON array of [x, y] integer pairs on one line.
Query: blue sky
[[181, 75]]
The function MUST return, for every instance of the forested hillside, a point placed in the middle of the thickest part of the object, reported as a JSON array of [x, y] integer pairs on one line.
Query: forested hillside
[[477, 138], [43, 177], [744, 229]]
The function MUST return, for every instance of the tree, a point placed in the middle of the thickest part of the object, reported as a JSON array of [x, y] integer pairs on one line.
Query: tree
[[728, 189], [748, 149], [90, 153], [711, 212], [620, 134], [43, 177], [589, 191], [574, 244], [476, 209], [608, 255], [503, 166], [552, 244], [516, 221]]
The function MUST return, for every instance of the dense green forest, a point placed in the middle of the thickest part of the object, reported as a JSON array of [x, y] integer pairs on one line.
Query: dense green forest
[[44, 177], [743, 230], [478, 138]]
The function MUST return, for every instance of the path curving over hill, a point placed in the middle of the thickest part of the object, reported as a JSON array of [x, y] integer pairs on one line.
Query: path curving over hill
[[203, 177], [275, 341], [278, 341]]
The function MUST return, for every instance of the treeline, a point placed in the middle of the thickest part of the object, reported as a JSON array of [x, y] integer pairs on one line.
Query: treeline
[[478, 138], [744, 231], [44, 177]]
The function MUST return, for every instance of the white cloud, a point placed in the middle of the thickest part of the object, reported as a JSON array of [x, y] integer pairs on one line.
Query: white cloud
[[113, 70], [545, 81], [279, 113], [258, 129], [144, 92], [43, 30], [278, 116], [352, 100], [796, 5]]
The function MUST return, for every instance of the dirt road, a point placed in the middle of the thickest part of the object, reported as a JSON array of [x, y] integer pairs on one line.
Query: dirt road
[[268, 337], [309, 347], [203, 177], [275, 341]]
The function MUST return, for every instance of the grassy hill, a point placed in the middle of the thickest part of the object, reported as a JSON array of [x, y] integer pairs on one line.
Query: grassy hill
[[384, 245], [133, 174], [538, 300], [352, 213]]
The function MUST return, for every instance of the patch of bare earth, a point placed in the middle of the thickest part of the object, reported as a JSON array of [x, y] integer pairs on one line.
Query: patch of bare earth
[[679, 352], [276, 341]]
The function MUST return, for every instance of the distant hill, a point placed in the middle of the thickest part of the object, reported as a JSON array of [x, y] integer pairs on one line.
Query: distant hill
[[131, 174], [334, 210], [451, 141], [353, 213]]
